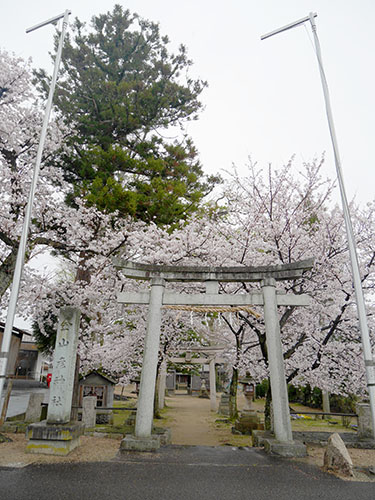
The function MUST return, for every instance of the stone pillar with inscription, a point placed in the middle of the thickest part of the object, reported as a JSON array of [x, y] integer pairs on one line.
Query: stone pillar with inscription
[[57, 435], [64, 360]]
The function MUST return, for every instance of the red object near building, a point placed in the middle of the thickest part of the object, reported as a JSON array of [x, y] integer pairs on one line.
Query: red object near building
[[49, 378]]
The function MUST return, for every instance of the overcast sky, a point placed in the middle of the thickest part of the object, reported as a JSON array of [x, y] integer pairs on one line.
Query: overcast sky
[[264, 98]]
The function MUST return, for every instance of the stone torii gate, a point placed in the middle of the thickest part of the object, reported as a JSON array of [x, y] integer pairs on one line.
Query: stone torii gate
[[213, 358], [157, 297]]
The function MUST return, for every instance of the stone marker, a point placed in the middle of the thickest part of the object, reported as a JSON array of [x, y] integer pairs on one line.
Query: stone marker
[[364, 421], [64, 361], [57, 435], [88, 411], [224, 404], [34, 407], [336, 456]]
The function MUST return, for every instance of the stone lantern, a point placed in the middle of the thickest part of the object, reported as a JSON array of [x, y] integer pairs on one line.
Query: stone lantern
[[249, 419], [249, 392]]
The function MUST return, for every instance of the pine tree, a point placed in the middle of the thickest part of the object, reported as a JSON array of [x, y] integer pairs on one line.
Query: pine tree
[[120, 90]]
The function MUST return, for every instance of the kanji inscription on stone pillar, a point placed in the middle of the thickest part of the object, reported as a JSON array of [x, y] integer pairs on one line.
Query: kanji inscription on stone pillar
[[61, 390]]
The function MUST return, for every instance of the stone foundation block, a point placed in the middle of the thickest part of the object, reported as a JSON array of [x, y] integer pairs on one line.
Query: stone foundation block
[[247, 422], [165, 435], [287, 449], [259, 437], [133, 443], [53, 439], [51, 447]]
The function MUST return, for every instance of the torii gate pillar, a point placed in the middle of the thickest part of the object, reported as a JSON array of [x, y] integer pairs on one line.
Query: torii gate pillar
[[145, 405], [281, 417]]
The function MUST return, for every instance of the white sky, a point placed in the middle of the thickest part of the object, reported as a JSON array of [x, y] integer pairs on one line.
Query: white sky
[[264, 97]]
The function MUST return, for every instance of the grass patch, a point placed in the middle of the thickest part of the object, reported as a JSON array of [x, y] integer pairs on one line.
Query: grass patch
[[114, 429], [331, 425], [226, 438], [121, 416]]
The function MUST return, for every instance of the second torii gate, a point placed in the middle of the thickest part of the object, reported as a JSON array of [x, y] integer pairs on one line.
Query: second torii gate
[[158, 297], [213, 359]]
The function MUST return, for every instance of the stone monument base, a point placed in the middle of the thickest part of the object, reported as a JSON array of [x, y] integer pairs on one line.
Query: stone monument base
[[134, 443], [287, 449], [53, 439]]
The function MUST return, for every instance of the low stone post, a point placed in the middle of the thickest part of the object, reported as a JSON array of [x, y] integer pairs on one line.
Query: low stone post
[[88, 411], [364, 421], [34, 407], [326, 404], [212, 385], [281, 416]]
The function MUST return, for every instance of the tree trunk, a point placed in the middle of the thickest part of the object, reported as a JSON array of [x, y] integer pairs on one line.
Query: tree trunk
[[6, 271], [82, 274], [156, 395], [233, 412], [75, 397], [267, 409]]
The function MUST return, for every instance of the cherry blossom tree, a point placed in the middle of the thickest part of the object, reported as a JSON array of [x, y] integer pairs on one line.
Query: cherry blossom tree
[[278, 217], [20, 125], [298, 221]]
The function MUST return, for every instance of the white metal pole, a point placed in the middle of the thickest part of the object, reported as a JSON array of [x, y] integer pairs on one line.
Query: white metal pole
[[367, 351], [361, 307], [7, 336]]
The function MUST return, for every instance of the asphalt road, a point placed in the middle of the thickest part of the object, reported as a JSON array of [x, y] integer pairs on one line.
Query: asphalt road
[[181, 473]]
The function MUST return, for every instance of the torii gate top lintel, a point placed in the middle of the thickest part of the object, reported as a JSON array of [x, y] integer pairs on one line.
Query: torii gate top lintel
[[204, 273]]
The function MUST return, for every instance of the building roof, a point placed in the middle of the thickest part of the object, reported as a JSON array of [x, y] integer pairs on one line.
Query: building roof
[[18, 332], [95, 372]]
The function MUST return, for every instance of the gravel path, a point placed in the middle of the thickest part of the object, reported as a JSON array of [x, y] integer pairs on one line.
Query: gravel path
[[192, 421]]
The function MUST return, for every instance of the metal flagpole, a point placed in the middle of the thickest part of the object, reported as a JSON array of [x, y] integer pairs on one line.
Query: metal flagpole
[[7, 336], [367, 351]]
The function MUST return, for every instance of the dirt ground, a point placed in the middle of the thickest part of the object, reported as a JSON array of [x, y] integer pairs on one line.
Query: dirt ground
[[191, 423]]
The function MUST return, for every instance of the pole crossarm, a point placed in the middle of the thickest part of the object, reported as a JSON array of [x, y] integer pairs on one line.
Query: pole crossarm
[[52, 20], [206, 300], [141, 271], [289, 26]]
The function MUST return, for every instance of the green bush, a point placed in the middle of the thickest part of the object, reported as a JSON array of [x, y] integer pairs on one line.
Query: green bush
[[305, 395], [261, 389], [343, 404]]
